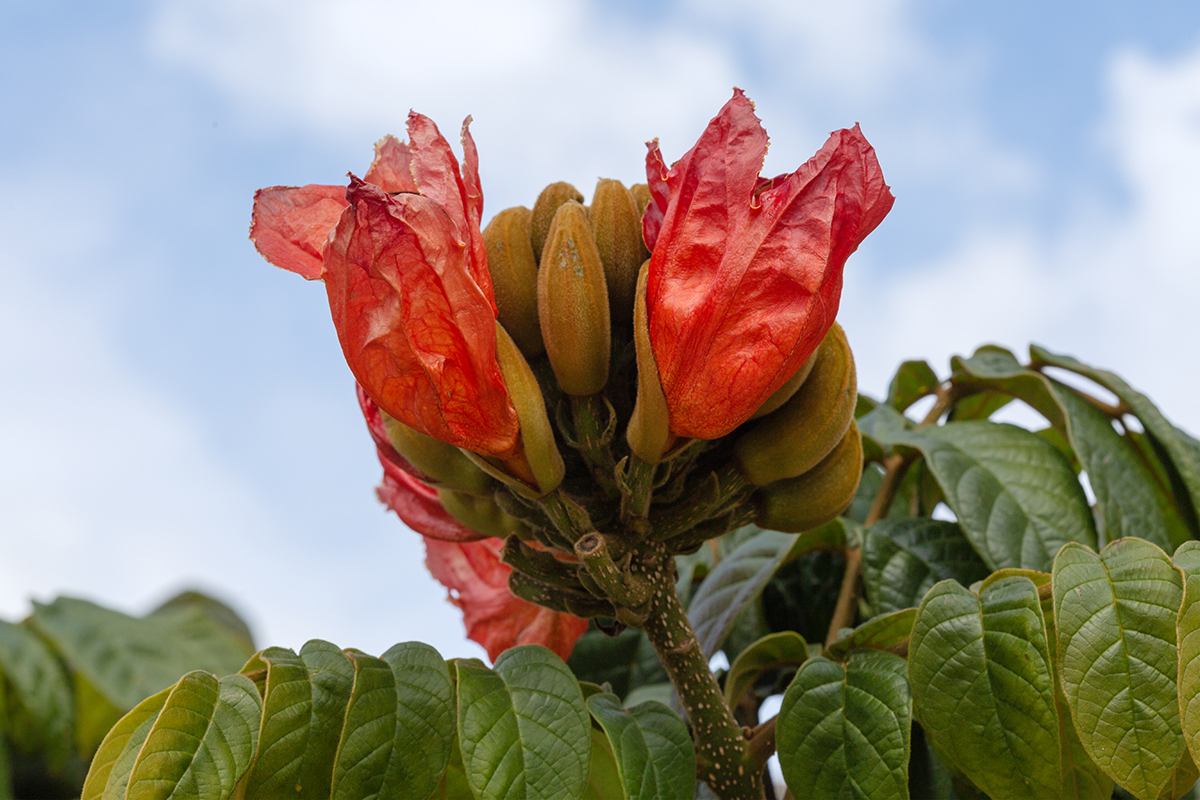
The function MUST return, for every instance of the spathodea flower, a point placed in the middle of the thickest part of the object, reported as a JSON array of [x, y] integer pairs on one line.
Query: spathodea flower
[[403, 262], [746, 273]]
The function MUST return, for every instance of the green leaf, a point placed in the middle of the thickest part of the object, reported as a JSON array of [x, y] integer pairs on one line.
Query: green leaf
[[94, 716], [38, 715], [843, 731], [220, 613], [1116, 613], [740, 577], [979, 405], [783, 649], [882, 424], [109, 774], [652, 746], [888, 632], [202, 741], [1182, 779], [399, 725], [625, 661], [304, 706], [523, 728], [1187, 559], [903, 559], [1127, 497], [1182, 450], [1015, 497], [658, 692], [127, 659], [912, 381], [983, 687], [604, 781]]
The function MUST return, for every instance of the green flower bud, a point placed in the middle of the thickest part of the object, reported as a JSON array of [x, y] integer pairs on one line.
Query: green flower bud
[[649, 430], [537, 468], [544, 209], [641, 198], [443, 462], [617, 226], [514, 277], [795, 438], [573, 304], [810, 500], [478, 513]]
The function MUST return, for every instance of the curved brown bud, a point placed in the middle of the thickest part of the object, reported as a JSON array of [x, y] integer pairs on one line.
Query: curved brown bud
[[514, 277]]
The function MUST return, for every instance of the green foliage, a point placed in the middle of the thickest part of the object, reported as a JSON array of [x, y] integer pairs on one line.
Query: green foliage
[[1038, 644], [72, 669]]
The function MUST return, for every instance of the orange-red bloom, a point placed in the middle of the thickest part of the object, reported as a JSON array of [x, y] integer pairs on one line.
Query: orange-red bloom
[[404, 264], [746, 273], [478, 583]]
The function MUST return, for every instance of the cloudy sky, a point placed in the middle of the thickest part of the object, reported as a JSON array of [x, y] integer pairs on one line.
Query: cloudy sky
[[175, 412]]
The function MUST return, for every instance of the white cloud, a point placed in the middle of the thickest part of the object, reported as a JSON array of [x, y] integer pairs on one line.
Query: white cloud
[[557, 90], [1118, 289]]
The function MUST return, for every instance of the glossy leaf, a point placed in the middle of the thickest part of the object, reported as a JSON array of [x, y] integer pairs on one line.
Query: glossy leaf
[[202, 741], [604, 781], [912, 381], [843, 731], [38, 715], [1015, 497], [903, 559], [625, 661], [126, 658], [889, 632], [296, 747], [1115, 615], [983, 686], [1127, 498], [523, 728], [1187, 559], [108, 776], [1182, 449], [740, 577], [783, 649], [652, 746], [399, 725]]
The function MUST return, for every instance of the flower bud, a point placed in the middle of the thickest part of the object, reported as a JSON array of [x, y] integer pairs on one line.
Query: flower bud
[[649, 430], [617, 226], [573, 304], [478, 513], [514, 277], [785, 392], [537, 469], [442, 462], [810, 500], [641, 198], [544, 209], [807, 427]]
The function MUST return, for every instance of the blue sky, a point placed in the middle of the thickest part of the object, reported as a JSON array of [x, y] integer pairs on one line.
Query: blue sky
[[174, 411]]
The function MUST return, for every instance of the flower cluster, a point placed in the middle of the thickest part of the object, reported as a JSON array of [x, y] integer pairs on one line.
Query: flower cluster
[[694, 314]]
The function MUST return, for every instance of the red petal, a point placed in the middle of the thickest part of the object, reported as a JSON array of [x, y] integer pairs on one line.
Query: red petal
[[392, 168], [291, 224], [660, 194], [383, 445], [478, 584], [417, 332], [418, 507], [747, 274], [436, 171]]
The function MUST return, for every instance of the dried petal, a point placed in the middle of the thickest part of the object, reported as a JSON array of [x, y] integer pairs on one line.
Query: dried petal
[[392, 168], [478, 584], [417, 506], [746, 274], [417, 330], [290, 225]]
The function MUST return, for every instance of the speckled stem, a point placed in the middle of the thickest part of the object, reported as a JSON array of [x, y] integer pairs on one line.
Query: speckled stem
[[723, 758]]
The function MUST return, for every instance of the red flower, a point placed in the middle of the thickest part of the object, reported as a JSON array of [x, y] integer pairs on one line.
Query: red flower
[[478, 584], [404, 264], [746, 273]]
